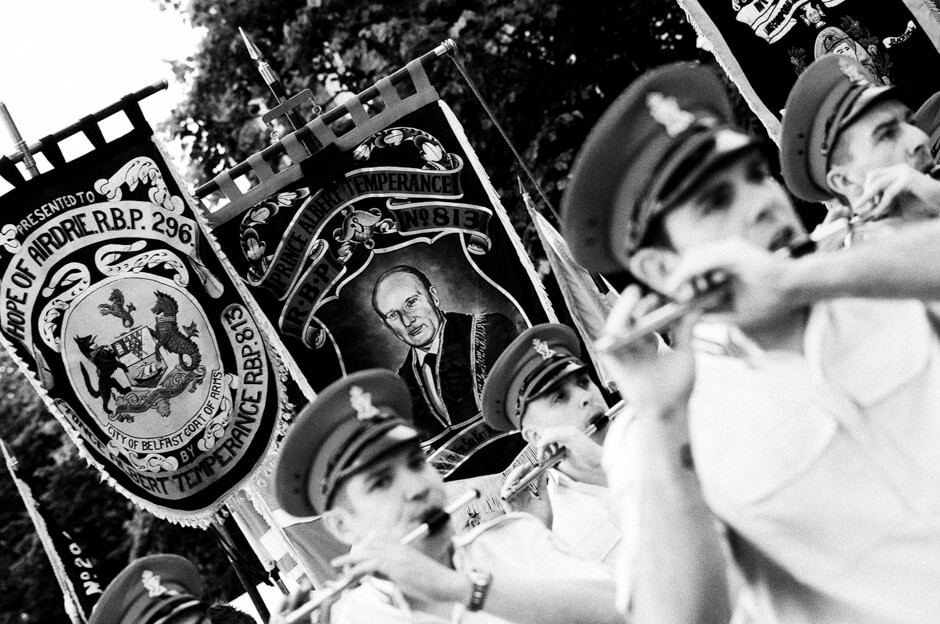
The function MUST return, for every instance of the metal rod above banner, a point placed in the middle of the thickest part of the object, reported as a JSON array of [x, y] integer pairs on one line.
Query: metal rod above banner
[[18, 141], [305, 132], [79, 126]]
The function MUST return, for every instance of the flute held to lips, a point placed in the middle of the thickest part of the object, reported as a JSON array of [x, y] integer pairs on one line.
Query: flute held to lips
[[597, 423], [711, 289], [434, 521]]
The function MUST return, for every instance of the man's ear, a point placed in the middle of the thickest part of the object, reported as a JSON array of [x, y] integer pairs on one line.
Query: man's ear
[[433, 292], [530, 435], [653, 265], [337, 522], [841, 183]]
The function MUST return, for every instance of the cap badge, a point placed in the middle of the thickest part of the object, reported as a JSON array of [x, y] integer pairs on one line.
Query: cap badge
[[853, 72], [361, 401], [666, 110], [151, 583], [541, 347]]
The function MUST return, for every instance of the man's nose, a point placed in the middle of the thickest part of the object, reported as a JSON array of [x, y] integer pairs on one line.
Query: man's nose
[[763, 205], [584, 397], [915, 139], [415, 487]]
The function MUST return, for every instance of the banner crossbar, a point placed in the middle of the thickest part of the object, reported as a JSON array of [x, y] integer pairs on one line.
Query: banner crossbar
[[80, 125], [305, 132]]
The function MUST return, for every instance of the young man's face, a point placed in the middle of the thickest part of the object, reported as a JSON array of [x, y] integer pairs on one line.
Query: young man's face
[[574, 401], [740, 200], [409, 309], [392, 497], [881, 137]]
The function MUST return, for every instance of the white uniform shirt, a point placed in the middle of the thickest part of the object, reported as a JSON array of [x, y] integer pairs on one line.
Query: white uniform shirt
[[515, 544], [828, 464], [583, 518]]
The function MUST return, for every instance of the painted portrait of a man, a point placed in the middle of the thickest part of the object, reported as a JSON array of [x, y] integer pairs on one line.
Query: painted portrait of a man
[[450, 353]]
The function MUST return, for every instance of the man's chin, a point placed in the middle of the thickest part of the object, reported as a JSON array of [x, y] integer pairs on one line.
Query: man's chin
[[421, 340]]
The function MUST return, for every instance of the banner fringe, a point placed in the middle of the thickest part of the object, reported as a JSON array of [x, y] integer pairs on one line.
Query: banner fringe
[[500, 211], [706, 30]]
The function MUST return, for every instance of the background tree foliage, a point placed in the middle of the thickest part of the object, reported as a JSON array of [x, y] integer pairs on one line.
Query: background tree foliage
[[548, 69]]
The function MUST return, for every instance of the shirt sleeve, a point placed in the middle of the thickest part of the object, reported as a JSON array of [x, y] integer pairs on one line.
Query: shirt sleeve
[[518, 544]]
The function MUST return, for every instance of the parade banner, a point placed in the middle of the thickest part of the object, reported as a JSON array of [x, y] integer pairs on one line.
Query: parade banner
[[120, 312], [763, 45], [389, 248], [75, 571]]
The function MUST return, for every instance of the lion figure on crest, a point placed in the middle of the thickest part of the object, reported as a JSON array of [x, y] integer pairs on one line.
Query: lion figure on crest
[[167, 334]]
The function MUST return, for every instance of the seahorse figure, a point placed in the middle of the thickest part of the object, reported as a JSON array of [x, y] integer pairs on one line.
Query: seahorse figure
[[168, 335], [117, 308]]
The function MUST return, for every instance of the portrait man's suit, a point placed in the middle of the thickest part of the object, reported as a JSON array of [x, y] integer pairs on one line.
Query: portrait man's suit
[[469, 346]]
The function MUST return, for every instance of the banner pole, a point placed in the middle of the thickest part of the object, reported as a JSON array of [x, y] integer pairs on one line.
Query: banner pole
[[452, 53], [271, 79], [18, 141], [227, 546], [73, 607]]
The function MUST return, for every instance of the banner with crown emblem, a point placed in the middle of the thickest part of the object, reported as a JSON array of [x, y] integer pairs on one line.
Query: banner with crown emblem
[[763, 45], [387, 247], [117, 307]]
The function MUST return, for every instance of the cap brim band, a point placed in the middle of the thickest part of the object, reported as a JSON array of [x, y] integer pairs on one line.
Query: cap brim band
[[695, 162], [170, 607], [544, 380], [381, 439], [865, 100]]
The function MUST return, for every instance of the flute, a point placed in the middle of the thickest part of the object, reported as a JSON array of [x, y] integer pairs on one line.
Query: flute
[[597, 423], [671, 312], [433, 522], [716, 290]]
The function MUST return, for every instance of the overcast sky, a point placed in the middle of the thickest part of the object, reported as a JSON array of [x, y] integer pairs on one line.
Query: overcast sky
[[63, 59]]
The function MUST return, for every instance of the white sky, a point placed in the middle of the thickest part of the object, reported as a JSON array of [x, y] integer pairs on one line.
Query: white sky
[[63, 59]]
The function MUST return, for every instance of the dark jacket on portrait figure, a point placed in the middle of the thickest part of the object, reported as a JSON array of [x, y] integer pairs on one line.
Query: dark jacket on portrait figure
[[469, 347]]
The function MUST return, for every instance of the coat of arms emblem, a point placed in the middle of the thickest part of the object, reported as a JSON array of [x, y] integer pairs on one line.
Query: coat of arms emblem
[[142, 358]]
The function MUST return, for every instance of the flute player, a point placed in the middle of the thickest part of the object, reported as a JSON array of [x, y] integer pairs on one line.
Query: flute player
[[352, 456], [813, 416], [540, 386]]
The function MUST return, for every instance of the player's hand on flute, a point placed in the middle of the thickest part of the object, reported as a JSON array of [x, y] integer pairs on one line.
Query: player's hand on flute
[[531, 500], [885, 185], [415, 574], [649, 375], [583, 459]]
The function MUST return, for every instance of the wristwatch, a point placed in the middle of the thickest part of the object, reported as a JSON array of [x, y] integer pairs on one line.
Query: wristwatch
[[481, 587]]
